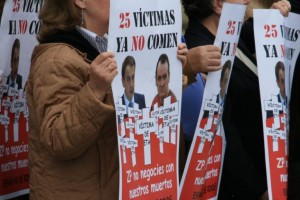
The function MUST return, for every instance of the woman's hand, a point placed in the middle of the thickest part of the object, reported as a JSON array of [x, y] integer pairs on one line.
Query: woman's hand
[[284, 7], [102, 72]]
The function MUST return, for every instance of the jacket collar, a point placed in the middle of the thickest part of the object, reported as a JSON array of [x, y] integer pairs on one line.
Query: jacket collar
[[74, 39]]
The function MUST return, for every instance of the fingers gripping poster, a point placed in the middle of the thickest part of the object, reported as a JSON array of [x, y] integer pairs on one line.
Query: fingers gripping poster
[[19, 25], [147, 95], [277, 47], [204, 164]]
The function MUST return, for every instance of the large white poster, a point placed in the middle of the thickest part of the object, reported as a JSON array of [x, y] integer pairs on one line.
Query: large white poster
[[277, 49], [203, 168], [18, 29], [147, 95]]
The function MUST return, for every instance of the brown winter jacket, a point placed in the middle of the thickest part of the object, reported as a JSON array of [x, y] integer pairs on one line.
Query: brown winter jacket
[[72, 138]]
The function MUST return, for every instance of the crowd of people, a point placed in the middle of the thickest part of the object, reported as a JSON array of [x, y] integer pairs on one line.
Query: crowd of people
[[73, 134]]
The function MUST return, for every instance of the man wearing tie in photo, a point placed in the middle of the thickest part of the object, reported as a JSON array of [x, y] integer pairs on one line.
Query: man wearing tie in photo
[[280, 80], [217, 101], [14, 80], [280, 98], [130, 97]]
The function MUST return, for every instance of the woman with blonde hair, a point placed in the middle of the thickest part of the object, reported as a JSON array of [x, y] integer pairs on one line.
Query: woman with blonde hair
[[73, 151]]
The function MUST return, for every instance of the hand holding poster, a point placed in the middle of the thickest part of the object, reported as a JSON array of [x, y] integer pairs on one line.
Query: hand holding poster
[[19, 25], [145, 36], [204, 165], [277, 49]]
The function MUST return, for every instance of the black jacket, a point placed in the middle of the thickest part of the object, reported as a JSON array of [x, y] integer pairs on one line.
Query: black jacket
[[294, 136]]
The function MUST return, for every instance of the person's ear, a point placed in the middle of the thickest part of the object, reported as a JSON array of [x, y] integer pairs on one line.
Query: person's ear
[[218, 5], [80, 3]]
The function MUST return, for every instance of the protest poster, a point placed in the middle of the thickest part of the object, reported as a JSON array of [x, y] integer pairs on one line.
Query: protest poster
[[19, 25], [147, 93], [290, 31], [277, 49], [203, 168]]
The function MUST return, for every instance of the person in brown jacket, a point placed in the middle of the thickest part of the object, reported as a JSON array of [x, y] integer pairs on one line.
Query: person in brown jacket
[[72, 138], [73, 150]]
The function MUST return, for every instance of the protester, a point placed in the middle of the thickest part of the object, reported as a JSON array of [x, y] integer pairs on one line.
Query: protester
[[244, 171], [295, 6], [73, 137], [294, 127], [294, 139]]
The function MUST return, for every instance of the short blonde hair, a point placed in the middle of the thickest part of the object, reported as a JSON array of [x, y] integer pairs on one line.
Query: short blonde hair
[[57, 15]]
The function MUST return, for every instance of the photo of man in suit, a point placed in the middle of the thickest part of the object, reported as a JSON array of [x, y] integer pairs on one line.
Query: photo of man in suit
[[281, 96], [128, 73], [280, 80], [224, 80], [14, 79], [219, 100], [162, 80]]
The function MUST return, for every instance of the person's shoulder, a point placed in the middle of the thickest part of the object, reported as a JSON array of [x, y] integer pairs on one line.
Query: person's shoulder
[[172, 94], [58, 56], [123, 97], [57, 51], [138, 95], [155, 99], [62, 52], [69, 53]]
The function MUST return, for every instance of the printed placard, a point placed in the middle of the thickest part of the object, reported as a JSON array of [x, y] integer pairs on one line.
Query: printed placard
[[18, 29], [147, 95], [277, 49], [204, 164]]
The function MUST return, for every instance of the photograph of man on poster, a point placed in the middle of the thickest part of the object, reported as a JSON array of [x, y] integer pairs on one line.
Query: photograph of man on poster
[[219, 100], [224, 80], [280, 97], [162, 80], [280, 80], [128, 74], [14, 79]]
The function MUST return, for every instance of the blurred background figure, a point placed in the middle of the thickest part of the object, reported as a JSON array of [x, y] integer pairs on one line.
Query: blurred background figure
[[294, 129]]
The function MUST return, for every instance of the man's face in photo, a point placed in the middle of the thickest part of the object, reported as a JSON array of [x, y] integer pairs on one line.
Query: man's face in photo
[[128, 81], [162, 80], [280, 82], [223, 83], [15, 62]]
